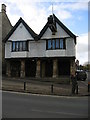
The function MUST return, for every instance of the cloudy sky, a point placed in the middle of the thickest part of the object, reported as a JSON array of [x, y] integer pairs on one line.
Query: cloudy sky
[[73, 13]]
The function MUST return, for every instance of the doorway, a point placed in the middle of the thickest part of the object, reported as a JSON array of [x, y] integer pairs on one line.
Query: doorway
[[15, 68], [64, 67], [49, 68], [30, 68]]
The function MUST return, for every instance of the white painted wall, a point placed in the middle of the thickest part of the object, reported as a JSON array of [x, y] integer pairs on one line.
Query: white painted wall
[[20, 33], [23, 54], [59, 34], [70, 46], [37, 49]]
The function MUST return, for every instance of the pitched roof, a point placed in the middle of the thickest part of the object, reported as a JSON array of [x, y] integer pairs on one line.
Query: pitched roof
[[61, 24], [33, 34]]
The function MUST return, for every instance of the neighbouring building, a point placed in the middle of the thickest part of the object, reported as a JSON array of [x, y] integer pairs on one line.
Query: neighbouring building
[[50, 54], [5, 27]]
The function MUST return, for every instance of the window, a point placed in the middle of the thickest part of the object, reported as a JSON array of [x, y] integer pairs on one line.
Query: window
[[53, 44], [24, 46], [58, 43], [19, 46], [61, 44], [13, 46], [49, 44]]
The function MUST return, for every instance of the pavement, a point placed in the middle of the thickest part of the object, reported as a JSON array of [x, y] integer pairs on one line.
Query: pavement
[[45, 87]]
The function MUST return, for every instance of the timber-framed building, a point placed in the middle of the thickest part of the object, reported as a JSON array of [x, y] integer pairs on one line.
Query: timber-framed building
[[51, 54]]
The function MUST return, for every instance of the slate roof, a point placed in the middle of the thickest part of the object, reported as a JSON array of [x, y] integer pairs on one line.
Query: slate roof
[[61, 24], [33, 34]]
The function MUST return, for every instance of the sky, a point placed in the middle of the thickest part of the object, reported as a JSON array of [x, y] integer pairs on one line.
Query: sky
[[72, 13]]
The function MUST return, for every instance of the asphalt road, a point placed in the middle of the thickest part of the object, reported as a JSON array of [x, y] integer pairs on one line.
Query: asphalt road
[[17, 105]]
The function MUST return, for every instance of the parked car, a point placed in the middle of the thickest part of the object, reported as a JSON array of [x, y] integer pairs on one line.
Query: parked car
[[81, 75]]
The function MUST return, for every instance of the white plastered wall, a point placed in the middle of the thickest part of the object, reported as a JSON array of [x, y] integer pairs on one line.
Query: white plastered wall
[[20, 33]]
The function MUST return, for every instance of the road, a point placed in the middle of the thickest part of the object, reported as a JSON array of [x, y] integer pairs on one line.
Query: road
[[21, 105]]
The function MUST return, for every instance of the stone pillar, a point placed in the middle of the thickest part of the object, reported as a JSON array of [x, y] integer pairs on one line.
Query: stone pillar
[[55, 68], [72, 67], [43, 69], [22, 72], [8, 69], [38, 69]]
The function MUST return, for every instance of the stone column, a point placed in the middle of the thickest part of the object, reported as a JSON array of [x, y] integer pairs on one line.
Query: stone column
[[8, 69], [55, 68], [43, 69], [72, 67], [38, 69], [22, 72]]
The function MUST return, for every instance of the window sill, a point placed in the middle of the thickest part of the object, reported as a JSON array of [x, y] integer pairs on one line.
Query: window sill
[[56, 49], [21, 51]]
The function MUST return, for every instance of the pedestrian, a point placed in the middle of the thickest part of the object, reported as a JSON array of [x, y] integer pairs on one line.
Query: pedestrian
[[74, 82]]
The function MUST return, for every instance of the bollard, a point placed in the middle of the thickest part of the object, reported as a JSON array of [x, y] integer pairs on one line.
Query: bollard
[[24, 86], [77, 89], [51, 88], [88, 87]]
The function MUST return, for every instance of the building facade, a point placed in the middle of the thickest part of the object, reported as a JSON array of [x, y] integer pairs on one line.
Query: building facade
[[49, 54], [5, 27]]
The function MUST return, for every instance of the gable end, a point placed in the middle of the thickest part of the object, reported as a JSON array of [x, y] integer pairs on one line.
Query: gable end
[[62, 25], [33, 34]]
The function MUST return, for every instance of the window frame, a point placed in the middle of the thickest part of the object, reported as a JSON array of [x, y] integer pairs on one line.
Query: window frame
[[13, 46], [59, 47], [17, 46]]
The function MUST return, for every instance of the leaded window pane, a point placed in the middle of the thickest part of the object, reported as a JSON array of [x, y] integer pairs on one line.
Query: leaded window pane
[[61, 43], [20, 46], [49, 44], [57, 43], [53, 44], [17, 46], [24, 45], [13, 46]]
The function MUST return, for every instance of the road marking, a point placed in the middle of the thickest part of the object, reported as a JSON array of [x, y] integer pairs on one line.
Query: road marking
[[35, 110], [12, 92]]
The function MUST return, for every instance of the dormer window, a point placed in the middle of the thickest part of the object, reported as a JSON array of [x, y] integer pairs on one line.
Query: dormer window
[[19, 46], [58, 43]]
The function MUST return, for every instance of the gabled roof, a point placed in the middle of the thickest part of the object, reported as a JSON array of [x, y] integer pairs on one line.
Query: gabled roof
[[61, 24], [32, 33]]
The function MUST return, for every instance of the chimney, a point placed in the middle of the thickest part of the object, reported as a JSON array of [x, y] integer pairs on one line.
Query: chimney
[[3, 8]]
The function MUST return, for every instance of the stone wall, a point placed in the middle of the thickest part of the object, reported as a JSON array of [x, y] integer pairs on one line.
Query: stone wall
[[5, 27]]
